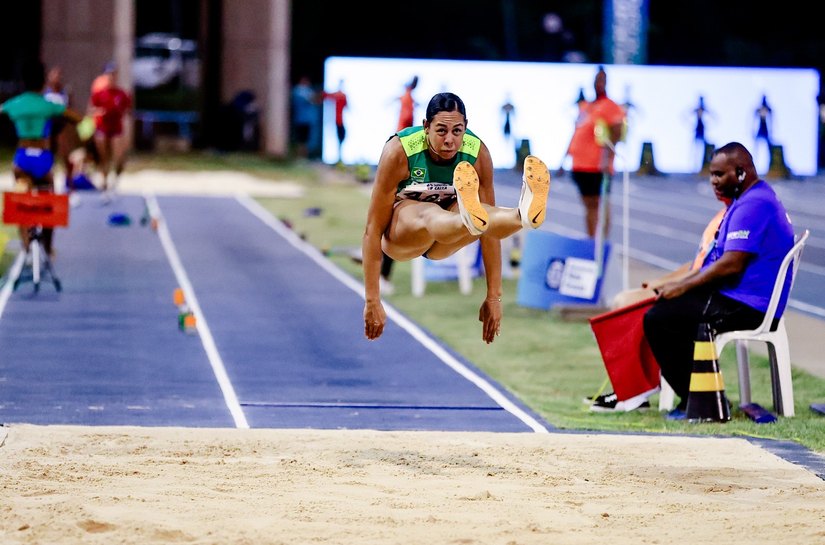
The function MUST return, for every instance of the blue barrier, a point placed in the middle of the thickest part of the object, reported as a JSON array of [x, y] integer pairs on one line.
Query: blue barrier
[[557, 269]]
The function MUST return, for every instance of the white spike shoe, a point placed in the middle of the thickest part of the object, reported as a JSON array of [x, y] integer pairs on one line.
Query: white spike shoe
[[532, 204]]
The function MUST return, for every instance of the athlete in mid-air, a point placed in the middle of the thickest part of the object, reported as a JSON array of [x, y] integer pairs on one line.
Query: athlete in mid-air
[[433, 195]]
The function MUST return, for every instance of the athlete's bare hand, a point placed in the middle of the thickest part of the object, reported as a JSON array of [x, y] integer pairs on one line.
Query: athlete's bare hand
[[490, 317], [374, 319]]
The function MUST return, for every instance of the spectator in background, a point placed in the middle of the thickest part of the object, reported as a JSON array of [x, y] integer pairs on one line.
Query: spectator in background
[[820, 103], [508, 112], [32, 115], [631, 110], [339, 102], [109, 105], [64, 137], [405, 119], [700, 115], [304, 100], [581, 106], [592, 160], [764, 129], [102, 80], [764, 121], [732, 289], [244, 108], [239, 123], [408, 104]]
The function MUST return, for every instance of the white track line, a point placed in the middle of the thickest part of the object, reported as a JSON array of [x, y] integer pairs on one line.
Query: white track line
[[11, 278], [202, 326], [290, 236]]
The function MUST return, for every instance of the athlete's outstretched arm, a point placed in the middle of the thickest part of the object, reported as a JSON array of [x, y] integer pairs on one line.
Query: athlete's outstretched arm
[[490, 312], [392, 168]]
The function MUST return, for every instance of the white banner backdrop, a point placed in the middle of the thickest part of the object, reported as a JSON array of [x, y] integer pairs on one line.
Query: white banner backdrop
[[662, 101]]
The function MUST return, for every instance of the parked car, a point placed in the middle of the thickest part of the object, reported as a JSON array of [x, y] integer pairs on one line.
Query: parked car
[[160, 58]]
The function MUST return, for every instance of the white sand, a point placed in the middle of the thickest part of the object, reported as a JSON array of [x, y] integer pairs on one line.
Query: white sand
[[63, 484]]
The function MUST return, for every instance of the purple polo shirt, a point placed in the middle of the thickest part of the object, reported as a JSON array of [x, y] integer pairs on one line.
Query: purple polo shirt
[[757, 223]]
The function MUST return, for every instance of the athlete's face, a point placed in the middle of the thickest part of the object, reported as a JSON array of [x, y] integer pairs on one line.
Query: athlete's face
[[445, 134]]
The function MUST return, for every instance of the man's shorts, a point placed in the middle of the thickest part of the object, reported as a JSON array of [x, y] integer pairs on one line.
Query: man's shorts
[[110, 130], [35, 162], [589, 183]]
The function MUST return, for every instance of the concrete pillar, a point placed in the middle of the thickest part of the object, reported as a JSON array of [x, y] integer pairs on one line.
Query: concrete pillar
[[123, 40], [276, 119], [78, 35], [256, 57], [81, 35]]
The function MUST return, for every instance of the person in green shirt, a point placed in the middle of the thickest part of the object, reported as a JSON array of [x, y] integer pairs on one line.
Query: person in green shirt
[[32, 115]]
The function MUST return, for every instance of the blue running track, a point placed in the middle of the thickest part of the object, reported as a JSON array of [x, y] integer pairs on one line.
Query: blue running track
[[279, 342]]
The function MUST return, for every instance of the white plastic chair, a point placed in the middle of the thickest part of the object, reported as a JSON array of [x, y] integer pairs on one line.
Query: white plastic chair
[[777, 341], [666, 395], [463, 260]]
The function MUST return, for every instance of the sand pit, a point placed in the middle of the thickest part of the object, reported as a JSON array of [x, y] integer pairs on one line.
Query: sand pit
[[64, 484]]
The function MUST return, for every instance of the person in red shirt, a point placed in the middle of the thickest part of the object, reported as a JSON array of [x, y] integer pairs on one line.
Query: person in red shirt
[[339, 101], [102, 80], [592, 159], [109, 105], [405, 115], [405, 119]]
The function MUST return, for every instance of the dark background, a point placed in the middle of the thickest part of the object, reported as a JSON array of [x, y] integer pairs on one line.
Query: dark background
[[695, 33]]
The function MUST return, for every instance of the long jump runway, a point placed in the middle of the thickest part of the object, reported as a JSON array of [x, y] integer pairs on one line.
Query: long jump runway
[[279, 341]]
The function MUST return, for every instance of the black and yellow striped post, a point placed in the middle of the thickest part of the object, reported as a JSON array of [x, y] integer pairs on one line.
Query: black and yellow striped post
[[707, 401]]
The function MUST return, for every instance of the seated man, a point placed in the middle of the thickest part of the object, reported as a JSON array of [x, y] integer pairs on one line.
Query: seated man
[[732, 289], [610, 402], [649, 287]]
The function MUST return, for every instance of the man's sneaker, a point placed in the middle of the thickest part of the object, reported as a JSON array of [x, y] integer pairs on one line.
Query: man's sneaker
[[677, 414], [609, 403], [532, 204], [473, 215], [587, 400]]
